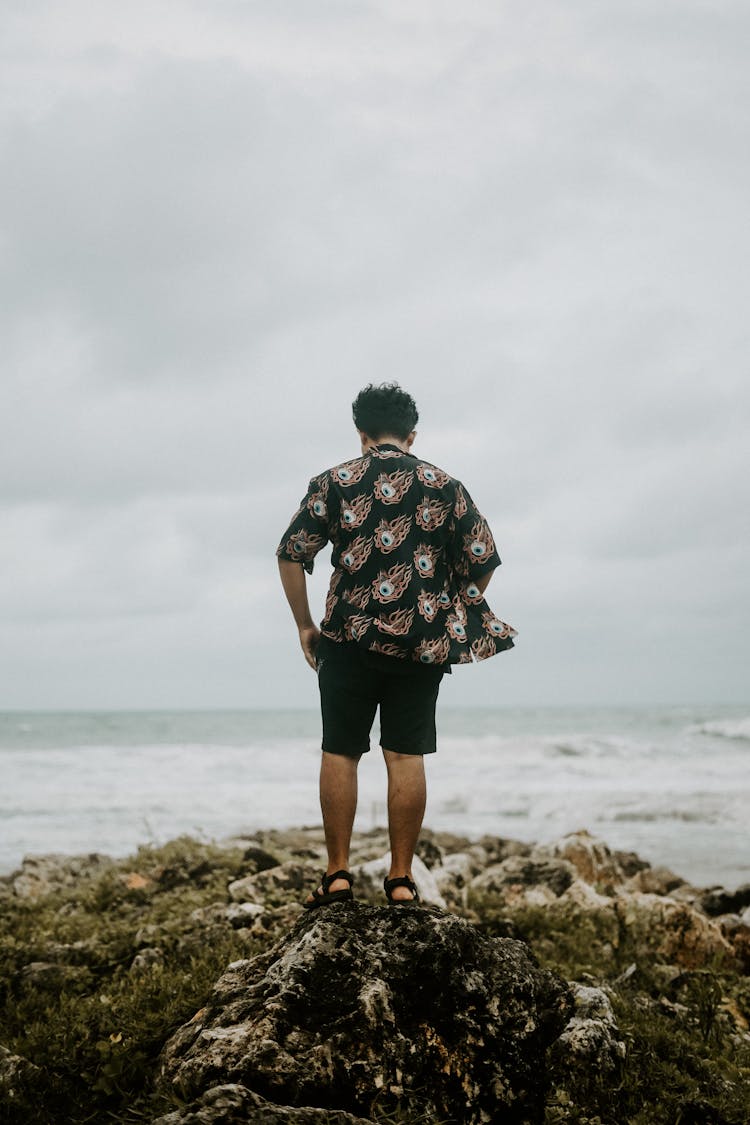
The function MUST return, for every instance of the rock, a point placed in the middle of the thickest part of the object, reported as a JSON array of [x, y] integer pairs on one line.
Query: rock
[[654, 880], [409, 1004], [259, 859], [42, 874], [369, 880], [233, 1104], [717, 900], [18, 1079], [591, 858], [429, 852], [630, 862], [525, 880], [590, 1042], [277, 884], [676, 931], [147, 959], [498, 848], [54, 977]]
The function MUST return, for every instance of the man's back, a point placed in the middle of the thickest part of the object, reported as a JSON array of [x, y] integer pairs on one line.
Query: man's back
[[411, 556]]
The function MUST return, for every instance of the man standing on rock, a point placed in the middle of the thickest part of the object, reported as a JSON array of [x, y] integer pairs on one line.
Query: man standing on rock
[[412, 556]]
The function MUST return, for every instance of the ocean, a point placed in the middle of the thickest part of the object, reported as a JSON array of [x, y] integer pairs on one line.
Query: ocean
[[671, 783]]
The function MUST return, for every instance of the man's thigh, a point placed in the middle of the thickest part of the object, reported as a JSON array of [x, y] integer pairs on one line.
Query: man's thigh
[[407, 712], [348, 702]]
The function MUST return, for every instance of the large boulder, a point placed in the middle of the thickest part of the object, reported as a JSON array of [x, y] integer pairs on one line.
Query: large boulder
[[412, 1009]]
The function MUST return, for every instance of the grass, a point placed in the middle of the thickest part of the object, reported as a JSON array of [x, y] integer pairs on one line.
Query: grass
[[96, 1033]]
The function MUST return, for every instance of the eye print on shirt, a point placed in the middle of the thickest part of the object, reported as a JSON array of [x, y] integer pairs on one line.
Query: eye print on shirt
[[389, 585], [495, 627], [431, 514], [456, 628], [432, 477], [356, 627], [479, 545], [351, 472], [317, 505], [355, 512], [424, 560], [390, 534], [427, 605], [356, 554], [433, 651], [473, 594], [304, 546], [391, 487]]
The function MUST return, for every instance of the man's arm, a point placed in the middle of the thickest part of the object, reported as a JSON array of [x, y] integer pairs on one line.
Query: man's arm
[[483, 581], [294, 581]]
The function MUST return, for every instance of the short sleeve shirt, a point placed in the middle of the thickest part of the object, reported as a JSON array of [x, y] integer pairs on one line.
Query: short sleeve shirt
[[408, 546]]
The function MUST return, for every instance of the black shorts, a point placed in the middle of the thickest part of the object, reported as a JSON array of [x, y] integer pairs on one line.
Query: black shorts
[[351, 691]]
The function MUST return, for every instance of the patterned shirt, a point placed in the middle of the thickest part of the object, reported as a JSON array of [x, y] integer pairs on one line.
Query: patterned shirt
[[408, 547]]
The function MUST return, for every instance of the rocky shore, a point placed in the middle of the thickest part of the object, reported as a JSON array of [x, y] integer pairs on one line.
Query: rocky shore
[[565, 982]]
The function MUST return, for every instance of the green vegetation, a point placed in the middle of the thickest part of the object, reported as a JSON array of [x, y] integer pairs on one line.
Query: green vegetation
[[687, 1061], [96, 1031], [75, 1005]]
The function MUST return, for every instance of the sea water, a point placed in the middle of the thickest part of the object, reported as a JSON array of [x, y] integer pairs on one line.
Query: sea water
[[671, 783]]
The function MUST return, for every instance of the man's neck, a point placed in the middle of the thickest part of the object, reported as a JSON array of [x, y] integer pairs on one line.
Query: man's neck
[[386, 439]]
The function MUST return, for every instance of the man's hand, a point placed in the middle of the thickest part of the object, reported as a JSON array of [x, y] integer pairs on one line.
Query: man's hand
[[309, 635]]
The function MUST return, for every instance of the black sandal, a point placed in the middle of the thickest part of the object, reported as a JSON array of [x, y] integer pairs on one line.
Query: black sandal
[[400, 881], [321, 899]]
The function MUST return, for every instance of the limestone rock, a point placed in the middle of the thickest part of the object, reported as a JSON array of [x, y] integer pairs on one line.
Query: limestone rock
[[591, 1038], [717, 900], [41, 874], [18, 1078], [525, 880], [290, 880], [657, 880], [233, 1104], [674, 930], [411, 1006], [52, 976], [147, 959], [591, 858]]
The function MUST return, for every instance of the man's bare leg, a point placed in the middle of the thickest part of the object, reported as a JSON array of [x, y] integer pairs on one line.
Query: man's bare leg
[[338, 803], [407, 796]]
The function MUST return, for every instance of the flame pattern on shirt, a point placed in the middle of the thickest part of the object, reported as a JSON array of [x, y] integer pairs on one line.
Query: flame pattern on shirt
[[389, 585], [351, 472], [398, 623], [357, 554], [356, 511], [431, 476], [431, 514], [427, 605], [479, 544], [390, 487], [390, 534], [356, 627], [359, 596], [304, 545]]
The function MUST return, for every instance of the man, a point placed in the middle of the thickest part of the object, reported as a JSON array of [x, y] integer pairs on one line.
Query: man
[[412, 556]]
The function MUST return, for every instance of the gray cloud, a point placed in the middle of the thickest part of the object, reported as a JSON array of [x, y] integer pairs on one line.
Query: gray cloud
[[217, 225]]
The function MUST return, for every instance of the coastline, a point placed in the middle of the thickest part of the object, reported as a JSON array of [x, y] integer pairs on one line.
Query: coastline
[[103, 959]]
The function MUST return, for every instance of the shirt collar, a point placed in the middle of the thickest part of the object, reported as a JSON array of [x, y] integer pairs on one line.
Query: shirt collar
[[390, 445]]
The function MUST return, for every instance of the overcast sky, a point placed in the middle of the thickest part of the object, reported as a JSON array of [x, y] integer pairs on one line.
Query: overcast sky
[[219, 221]]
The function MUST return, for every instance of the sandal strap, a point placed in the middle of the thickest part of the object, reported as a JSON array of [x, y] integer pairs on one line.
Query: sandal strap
[[399, 881], [328, 879]]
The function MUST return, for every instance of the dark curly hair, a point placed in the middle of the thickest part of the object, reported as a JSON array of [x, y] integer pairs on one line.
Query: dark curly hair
[[383, 410]]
